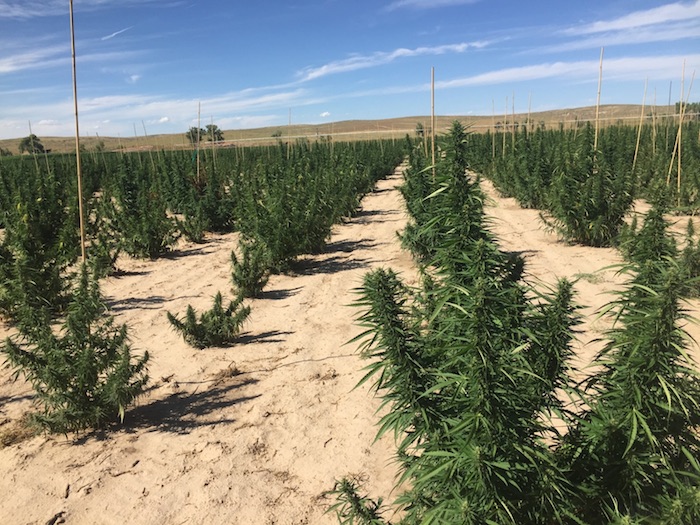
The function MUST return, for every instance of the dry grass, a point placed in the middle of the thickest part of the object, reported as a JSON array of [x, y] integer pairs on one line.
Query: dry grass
[[16, 432], [348, 130]]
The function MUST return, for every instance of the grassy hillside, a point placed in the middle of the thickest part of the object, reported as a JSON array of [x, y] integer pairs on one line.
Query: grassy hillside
[[350, 130]]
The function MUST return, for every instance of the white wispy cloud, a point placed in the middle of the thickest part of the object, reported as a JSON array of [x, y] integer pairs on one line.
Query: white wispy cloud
[[117, 113], [662, 67], [379, 58], [669, 33], [24, 9], [664, 14], [34, 58], [426, 4], [626, 68], [116, 33]]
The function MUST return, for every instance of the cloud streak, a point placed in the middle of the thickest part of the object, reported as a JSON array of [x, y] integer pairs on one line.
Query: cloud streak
[[32, 59], [116, 33], [25, 9], [664, 14], [381, 58], [426, 4]]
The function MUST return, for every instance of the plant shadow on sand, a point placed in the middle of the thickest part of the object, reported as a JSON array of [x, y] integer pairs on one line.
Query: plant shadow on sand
[[276, 295], [182, 412], [375, 216], [272, 336], [326, 262], [153, 302]]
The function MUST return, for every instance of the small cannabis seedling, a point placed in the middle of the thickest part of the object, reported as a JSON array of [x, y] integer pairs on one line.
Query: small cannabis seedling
[[216, 327]]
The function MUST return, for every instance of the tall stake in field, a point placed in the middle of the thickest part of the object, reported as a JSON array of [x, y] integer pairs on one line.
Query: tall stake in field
[[432, 115], [512, 136], [505, 128], [641, 122], [493, 125], [597, 104], [199, 127], [677, 145], [77, 137]]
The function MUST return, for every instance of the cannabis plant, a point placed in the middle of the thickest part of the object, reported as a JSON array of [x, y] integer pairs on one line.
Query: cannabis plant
[[251, 271], [84, 375], [352, 508], [215, 327], [635, 449]]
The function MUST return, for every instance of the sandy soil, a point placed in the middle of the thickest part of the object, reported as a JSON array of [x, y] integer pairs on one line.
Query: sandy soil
[[255, 433]]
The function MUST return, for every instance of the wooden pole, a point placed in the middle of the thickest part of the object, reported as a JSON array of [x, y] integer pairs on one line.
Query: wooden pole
[[597, 104], [432, 116], [512, 137], [150, 151], [641, 123], [199, 130], [289, 134], [31, 145], [505, 129], [493, 125], [213, 143], [77, 139], [653, 126]]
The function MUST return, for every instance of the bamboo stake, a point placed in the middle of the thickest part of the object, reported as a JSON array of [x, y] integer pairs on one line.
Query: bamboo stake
[[680, 120], [512, 137], [493, 125], [653, 126], [213, 149], [77, 138], [150, 151], [199, 129], [684, 105], [31, 144], [289, 134], [641, 122], [505, 129], [597, 104], [432, 116]]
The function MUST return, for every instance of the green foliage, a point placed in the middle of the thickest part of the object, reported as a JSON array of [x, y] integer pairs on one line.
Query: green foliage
[[213, 133], [40, 242], [474, 369], [85, 375], [136, 208], [469, 369], [636, 448], [251, 271], [31, 144], [194, 135], [587, 202], [215, 327], [351, 508]]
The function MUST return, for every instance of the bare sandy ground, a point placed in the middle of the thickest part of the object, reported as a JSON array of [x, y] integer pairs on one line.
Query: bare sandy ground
[[255, 433]]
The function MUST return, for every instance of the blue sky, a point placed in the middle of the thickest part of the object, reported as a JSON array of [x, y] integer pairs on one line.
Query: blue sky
[[150, 63]]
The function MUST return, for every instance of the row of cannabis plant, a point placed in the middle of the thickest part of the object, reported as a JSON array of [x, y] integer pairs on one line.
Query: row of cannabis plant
[[585, 192], [475, 370]]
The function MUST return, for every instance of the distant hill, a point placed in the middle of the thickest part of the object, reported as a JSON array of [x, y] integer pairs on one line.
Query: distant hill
[[349, 130]]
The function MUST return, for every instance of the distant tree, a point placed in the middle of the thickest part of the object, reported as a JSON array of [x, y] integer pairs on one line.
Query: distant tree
[[213, 133], [277, 133], [31, 144], [420, 130], [5, 152], [195, 134]]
